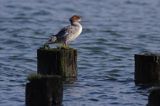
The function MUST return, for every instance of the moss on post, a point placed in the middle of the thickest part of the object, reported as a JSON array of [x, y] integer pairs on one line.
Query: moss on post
[[57, 61]]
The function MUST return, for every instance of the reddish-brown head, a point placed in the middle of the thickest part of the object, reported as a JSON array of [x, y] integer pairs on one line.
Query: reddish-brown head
[[75, 18]]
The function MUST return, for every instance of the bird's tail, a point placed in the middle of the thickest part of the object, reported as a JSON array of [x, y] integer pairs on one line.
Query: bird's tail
[[52, 40]]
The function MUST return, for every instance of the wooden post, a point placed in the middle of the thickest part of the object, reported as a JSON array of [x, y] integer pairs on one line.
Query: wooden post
[[44, 91], [147, 68], [56, 61], [153, 99]]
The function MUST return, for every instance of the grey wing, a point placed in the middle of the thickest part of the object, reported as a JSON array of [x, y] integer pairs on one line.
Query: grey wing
[[63, 32]]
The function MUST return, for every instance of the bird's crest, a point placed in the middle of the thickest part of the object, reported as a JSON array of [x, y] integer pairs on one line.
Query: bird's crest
[[75, 18]]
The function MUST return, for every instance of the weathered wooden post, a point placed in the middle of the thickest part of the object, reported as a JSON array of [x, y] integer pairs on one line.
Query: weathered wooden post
[[154, 97], [57, 61], [147, 68], [54, 66], [44, 90]]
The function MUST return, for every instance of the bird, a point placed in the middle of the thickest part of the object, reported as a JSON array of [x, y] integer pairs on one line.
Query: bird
[[68, 33]]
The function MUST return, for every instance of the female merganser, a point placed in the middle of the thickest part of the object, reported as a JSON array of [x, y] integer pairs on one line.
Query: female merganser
[[68, 33]]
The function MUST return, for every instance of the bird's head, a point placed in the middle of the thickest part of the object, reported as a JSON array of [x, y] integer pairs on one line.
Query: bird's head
[[75, 18]]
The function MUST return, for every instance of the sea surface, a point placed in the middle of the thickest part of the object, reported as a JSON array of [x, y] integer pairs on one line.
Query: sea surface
[[113, 31]]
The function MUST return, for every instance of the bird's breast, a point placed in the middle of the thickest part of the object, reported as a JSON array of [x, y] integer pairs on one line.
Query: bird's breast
[[75, 33]]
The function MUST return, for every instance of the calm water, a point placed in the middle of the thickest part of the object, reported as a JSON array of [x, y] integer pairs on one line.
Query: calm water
[[114, 30]]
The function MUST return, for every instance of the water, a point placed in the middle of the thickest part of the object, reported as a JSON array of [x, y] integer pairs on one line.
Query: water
[[114, 30]]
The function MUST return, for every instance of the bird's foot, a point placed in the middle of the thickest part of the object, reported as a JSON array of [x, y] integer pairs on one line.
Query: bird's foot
[[46, 46], [64, 47]]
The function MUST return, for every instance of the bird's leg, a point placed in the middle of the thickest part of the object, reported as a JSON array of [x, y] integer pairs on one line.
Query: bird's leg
[[65, 45], [62, 45]]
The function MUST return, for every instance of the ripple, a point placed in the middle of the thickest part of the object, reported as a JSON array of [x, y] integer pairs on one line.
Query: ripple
[[94, 100]]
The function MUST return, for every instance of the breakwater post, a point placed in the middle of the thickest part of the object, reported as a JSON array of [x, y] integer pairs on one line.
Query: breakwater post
[[147, 68], [54, 67], [44, 90], [153, 98], [57, 61]]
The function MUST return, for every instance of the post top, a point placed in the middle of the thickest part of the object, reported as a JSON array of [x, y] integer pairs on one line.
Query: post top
[[56, 49], [154, 54]]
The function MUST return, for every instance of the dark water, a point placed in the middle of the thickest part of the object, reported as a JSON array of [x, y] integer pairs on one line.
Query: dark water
[[114, 30]]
